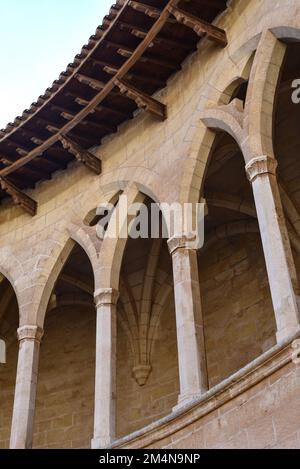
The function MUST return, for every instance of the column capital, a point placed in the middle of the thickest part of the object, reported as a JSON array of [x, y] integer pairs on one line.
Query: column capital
[[30, 333], [261, 165], [183, 241], [106, 296]]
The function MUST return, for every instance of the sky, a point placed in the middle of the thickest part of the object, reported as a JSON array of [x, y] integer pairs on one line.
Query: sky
[[39, 38]]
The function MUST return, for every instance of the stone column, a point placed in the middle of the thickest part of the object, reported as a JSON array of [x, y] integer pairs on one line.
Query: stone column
[[276, 244], [189, 322], [105, 386], [26, 383]]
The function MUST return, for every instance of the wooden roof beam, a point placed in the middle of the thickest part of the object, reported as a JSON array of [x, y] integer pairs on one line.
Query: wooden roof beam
[[99, 125], [126, 51], [148, 10], [6, 161], [84, 156], [68, 115], [152, 60], [91, 82], [111, 69], [142, 100], [141, 33], [148, 41], [34, 170], [84, 102], [200, 27], [31, 136], [31, 173], [19, 197], [55, 130]]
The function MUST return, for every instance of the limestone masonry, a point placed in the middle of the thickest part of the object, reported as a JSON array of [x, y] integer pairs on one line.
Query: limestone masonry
[[152, 343]]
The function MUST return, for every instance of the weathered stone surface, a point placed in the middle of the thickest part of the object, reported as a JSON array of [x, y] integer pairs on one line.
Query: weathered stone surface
[[227, 303]]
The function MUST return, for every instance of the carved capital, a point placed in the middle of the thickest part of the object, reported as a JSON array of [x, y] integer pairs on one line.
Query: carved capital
[[30, 333], [260, 166], [106, 296], [182, 241]]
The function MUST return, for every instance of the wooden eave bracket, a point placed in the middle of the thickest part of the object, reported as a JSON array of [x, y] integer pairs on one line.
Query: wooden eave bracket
[[148, 10], [142, 100], [199, 26], [19, 197], [84, 156]]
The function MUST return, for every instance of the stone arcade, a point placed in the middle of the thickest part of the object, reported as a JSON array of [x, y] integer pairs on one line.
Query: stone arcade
[[153, 343]]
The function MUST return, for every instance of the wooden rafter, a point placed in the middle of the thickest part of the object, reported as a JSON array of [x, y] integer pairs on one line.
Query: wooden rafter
[[146, 9], [84, 156], [19, 197], [6, 161], [199, 26], [91, 82], [32, 137], [147, 41], [111, 69], [142, 100], [126, 51], [13, 129], [34, 170], [142, 33], [68, 115], [152, 60], [84, 102]]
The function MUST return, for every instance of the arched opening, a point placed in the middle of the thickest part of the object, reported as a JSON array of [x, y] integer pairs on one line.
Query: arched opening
[[65, 394], [9, 323], [287, 146], [147, 363], [239, 321]]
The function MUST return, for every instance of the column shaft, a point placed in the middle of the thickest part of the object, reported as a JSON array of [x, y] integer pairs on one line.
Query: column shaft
[[276, 245], [105, 387], [189, 322], [26, 384]]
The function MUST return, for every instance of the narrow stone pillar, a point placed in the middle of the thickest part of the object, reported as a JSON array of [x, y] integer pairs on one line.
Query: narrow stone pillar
[[106, 351], [276, 245], [189, 322], [26, 383]]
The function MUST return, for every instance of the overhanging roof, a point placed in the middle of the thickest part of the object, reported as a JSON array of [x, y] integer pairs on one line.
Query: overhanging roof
[[132, 55]]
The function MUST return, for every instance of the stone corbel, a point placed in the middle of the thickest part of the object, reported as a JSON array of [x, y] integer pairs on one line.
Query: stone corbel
[[141, 374]]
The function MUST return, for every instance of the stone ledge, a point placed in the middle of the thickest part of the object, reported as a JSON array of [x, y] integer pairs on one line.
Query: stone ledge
[[249, 376]]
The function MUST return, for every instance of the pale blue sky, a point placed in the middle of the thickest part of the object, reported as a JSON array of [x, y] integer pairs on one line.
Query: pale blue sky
[[38, 39]]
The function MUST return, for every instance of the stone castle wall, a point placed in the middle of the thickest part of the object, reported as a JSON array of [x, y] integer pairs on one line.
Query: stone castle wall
[[238, 314]]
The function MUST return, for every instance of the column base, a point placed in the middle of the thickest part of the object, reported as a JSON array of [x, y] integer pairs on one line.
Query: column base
[[185, 400], [101, 443]]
